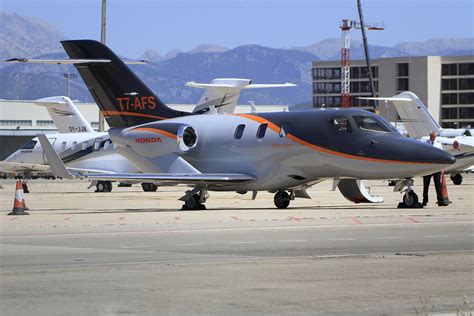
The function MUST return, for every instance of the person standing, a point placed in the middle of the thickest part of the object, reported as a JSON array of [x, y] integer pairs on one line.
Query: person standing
[[436, 176]]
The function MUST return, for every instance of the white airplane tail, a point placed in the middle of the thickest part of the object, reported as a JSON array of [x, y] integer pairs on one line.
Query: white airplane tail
[[65, 115], [415, 116], [223, 93]]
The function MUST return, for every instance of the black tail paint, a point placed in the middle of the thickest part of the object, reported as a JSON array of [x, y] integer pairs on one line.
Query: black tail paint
[[121, 96]]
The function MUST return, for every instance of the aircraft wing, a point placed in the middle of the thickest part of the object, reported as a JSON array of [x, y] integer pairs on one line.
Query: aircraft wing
[[415, 116], [7, 166], [59, 170], [70, 61]]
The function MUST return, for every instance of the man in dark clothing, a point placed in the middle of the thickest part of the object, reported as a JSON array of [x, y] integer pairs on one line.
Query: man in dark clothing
[[436, 178]]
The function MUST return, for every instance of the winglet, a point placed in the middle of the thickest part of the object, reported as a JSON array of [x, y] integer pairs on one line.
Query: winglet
[[57, 166]]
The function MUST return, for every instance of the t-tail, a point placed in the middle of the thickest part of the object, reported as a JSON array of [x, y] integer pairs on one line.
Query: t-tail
[[121, 96]]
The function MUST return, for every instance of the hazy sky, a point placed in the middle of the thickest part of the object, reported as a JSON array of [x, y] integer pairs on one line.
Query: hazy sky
[[134, 26]]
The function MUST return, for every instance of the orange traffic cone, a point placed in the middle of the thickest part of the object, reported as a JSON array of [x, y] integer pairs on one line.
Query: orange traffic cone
[[444, 191], [18, 205]]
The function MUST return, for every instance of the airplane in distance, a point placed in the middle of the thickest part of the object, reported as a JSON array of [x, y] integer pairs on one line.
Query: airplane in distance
[[419, 123], [281, 152]]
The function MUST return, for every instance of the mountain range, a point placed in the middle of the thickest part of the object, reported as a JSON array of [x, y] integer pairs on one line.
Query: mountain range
[[166, 74]]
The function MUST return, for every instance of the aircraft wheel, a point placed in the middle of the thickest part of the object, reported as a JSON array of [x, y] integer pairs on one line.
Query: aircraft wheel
[[149, 187], [194, 203], [457, 179], [108, 186], [410, 199], [100, 186], [281, 199]]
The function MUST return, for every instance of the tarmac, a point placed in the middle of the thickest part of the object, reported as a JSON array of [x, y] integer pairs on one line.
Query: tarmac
[[134, 252]]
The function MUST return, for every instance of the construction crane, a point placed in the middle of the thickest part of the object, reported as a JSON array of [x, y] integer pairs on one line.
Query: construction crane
[[346, 26]]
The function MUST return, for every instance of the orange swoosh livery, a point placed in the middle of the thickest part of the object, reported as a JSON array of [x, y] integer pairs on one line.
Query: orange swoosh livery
[[298, 140]]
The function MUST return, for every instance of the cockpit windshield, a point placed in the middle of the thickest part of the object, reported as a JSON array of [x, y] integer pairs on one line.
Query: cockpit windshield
[[29, 145], [371, 124]]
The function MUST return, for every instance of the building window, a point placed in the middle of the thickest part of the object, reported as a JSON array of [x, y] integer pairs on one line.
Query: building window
[[355, 72], [402, 70], [449, 84], [465, 98], [239, 131], [449, 69], [449, 113], [466, 69], [44, 123], [261, 130], [466, 113], [449, 98], [465, 84], [16, 122], [402, 84]]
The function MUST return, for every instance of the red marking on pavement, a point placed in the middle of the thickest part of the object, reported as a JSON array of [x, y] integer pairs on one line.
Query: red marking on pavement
[[292, 218], [412, 219], [177, 218], [67, 218], [13, 218], [121, 218], [236, 218], [356, 220]]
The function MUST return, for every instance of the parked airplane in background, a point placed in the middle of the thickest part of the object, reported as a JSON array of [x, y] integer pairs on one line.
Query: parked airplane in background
[[419, 122], [223, 93], [283, 152]]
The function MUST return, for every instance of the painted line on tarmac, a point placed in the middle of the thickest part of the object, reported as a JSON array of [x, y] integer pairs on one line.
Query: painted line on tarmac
[[210, 230], [341, 239], [436, 236], [292, 218], [67, 218], [132, 247], [292, 240], [412, 219], [185, 245], [177, 218], [394, 237], [235, 218], [13, 219], [121, 218], [356, 220], [241, 242]]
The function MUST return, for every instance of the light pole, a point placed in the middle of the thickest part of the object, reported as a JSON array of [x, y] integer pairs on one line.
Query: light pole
[[69, 76], [102, 40]]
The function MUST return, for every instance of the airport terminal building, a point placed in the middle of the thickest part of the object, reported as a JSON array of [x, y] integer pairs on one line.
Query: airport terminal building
[[445, 84]]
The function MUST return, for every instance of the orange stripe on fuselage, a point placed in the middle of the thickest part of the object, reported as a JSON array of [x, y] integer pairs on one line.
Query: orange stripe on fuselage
[[117, 113], [322, 149], [155, 130]]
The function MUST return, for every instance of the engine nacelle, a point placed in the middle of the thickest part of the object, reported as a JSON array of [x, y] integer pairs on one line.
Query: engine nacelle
[[157, 139]]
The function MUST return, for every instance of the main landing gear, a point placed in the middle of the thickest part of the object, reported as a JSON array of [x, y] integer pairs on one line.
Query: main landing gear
[[149, 187], [103, 186], [282, 199], [456, 178], [194, 199]]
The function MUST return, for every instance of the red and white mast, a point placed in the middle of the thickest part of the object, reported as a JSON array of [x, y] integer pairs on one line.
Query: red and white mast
[[346, 63]]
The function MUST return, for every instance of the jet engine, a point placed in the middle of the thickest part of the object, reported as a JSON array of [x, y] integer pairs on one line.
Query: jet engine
[[157, 139]]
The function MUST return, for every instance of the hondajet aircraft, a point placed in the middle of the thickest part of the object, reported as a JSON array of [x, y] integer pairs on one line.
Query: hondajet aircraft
[[283, 152]]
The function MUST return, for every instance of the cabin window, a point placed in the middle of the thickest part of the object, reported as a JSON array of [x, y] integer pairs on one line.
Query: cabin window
[[239, 131], [368, 123], [84, 146], [261, 130], [97, 143], [63, 145], [74, 145], [29, 145], [341, 123]]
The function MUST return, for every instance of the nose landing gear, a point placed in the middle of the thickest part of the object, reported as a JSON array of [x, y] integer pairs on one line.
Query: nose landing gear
[[410, 198], [194, 199]]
